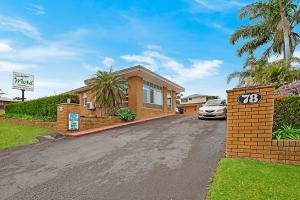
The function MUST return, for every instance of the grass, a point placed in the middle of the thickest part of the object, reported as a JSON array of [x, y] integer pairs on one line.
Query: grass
[[12, 135], [252, 180]]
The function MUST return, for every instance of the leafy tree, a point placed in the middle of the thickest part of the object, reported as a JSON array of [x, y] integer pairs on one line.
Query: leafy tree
[[273, 24], [263, 73], [108, 88]]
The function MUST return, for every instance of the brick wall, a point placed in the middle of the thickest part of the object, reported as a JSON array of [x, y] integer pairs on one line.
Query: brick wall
[[86, 123], [249, 129], [63, 110]]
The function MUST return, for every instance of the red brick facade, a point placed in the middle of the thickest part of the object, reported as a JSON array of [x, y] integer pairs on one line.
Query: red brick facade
[[249, 129]]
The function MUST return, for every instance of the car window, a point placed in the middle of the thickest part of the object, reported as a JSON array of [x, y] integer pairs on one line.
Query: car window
[[216, 102]]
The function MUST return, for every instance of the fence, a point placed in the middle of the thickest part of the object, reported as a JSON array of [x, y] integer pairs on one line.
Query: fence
[[249, 127]]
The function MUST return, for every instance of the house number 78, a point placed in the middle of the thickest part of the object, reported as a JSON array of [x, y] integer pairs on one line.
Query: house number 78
[[249, 98]]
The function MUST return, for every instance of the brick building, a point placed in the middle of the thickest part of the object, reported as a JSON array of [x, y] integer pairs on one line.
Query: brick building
[[149, 94], [190, 105]]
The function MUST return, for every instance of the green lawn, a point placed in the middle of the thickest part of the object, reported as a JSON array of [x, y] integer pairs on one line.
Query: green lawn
[[14, 135], [246, 179]]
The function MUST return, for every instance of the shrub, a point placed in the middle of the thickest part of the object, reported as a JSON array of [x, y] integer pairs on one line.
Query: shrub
[[42, 108], [126, 114], [287, 111], [287, 132]]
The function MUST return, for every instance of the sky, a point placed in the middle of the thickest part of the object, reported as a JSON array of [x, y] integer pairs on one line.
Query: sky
[[62, 43]]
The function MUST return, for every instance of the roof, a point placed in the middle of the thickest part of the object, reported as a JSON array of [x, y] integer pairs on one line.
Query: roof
[[137, 70], [195, 95], [81, 89], [7, 99]]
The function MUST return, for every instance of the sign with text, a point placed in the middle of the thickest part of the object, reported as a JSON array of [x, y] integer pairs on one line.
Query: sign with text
[[249, 98], [23, 81], [73, 121]]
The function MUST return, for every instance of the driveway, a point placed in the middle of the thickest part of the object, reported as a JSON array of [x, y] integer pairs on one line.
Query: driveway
[[172, 158]]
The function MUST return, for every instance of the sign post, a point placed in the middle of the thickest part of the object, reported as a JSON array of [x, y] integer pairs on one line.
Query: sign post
[[23, 82]]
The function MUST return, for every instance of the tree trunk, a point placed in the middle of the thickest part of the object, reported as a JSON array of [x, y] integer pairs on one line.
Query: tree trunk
[[287, 45], [286, 29]]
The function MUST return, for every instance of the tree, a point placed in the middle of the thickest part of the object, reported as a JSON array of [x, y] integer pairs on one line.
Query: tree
[[278, 73], [263, 73], [273, 24], [108, 88]]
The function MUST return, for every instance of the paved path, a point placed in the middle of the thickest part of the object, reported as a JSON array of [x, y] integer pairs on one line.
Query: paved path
[[168, 159]]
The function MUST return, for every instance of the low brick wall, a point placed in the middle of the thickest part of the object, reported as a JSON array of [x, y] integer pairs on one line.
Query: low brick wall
[[38, 124], [249, 129], [86, 123]]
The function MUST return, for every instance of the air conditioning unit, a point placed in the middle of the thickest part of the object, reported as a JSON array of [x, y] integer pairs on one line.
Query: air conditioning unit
[[90, 106]]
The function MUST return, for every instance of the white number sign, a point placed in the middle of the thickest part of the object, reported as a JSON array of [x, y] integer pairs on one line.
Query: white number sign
[[249, 98]]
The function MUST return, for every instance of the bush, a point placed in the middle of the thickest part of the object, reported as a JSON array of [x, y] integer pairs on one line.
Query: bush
[[43, 108], [287, 132], [287, 112], [126, 114]]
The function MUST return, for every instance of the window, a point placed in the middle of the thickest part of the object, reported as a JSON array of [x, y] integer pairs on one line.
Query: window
[[184, 100], [152, 93], [190, 99], [169, 96], [126, 91], [84, 99]]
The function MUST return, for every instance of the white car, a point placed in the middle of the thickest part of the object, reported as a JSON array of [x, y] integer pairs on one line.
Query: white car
[[213, 109]]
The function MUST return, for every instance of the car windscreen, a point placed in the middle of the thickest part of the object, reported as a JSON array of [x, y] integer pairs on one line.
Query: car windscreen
[[217, 102]]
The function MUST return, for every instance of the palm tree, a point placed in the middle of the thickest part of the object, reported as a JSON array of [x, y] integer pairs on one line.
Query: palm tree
[[278, 73], [108, 88], [263, 73], [274, 21]]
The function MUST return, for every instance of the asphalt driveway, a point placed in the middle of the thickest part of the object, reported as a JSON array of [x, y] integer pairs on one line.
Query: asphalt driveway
[[172, 158]]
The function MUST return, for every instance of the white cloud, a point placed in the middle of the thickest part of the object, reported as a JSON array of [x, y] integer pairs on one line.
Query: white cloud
[[197, 69], [153, 47], [5, 47], [7, 66], [18, 25], [218, 5], [92, 68], [45, 52], [37, 9], [144, 60], [222, 28], [108, 62]]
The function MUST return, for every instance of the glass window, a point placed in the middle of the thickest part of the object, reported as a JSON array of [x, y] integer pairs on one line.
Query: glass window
[[184, 100], [84, 99], [152, 93], [169, 96]]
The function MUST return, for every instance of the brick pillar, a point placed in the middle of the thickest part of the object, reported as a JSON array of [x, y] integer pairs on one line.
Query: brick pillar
[[249, 126], [165, 99], [173, 101], [135, 93], [62, 120]]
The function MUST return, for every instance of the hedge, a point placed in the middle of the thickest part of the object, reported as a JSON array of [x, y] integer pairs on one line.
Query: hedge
[[44, 108], [287, 112]]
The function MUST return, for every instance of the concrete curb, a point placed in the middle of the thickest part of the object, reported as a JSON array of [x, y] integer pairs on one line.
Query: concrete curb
[[97, 130]]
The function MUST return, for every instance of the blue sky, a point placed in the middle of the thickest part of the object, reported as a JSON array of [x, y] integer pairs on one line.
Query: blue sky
[[64, 42]]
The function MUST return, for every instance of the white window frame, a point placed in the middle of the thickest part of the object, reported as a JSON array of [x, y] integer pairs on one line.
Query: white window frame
[[84, 99]]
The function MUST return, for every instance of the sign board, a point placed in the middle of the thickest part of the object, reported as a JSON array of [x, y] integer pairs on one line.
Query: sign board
[[73, 121], [249, 98], [23, 81]]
